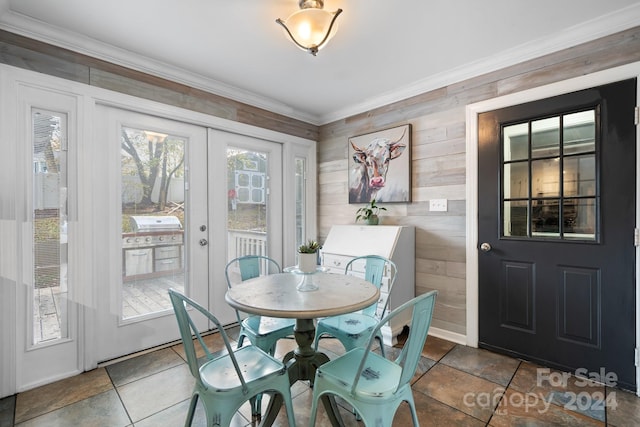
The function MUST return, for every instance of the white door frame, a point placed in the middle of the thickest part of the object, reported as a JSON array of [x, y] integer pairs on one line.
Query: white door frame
[[542, 92], [62, 354]]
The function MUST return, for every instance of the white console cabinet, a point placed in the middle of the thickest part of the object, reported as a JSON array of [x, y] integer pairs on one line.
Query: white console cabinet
[[397, 243]]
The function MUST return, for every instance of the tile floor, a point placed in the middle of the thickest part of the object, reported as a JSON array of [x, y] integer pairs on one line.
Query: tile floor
[[454, 386]]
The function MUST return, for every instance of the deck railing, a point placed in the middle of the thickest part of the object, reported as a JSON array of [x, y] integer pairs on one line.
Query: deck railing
[[244, 242]]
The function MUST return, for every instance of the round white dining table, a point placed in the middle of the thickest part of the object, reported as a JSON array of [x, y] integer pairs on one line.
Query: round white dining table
[[277, 295]]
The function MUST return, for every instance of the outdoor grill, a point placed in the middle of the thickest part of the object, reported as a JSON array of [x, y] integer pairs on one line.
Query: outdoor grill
[[154, 248], [155, 223]]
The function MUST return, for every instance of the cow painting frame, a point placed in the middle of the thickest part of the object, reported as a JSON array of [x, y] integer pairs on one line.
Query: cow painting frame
[[379, 166]]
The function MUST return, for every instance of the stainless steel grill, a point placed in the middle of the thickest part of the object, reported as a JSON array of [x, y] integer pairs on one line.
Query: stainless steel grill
[[155, 223], [154, 248]]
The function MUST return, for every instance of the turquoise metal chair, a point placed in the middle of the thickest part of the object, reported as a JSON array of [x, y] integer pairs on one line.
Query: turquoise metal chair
[[263, 332], [226, 382], [353, 329], [379, 385]]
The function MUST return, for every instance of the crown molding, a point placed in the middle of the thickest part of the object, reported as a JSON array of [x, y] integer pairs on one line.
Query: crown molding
[[44, 32], [602, 26]]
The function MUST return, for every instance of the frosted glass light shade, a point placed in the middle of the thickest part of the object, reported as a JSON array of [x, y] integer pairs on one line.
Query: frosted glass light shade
[[310, 29]]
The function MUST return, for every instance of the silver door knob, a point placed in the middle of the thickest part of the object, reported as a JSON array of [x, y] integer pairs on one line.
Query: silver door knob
[[203, 242], [485, 247]]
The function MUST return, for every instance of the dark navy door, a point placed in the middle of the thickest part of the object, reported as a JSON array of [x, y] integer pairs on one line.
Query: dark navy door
[[556, 231]]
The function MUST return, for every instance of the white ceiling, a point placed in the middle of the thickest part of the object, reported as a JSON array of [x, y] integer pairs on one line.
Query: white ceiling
[[384, 51]]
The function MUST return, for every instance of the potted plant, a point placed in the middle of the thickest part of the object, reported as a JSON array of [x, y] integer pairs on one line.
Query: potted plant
[[369, 213], [308, 256]]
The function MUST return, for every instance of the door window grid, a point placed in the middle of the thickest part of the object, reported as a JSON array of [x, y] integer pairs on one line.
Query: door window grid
[[549, 178]]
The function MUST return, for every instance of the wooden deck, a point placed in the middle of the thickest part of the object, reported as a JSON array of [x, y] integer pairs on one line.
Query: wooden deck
[[138, 298], [47, 315], [150, 295]]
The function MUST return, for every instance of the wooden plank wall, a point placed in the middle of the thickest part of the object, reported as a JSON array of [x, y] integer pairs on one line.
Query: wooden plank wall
[[37, 56], [438, 161]]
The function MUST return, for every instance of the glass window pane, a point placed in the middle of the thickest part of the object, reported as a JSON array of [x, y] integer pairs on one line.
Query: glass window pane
[[50, 293], [580, 175], [516, 142], [516, 180], [247, 207], [300, 201], [580, 218], [579, 132], [545, 217], [515, 219], [545, 137], [242, 179], [256, 180], [153, 206], [243, 195], [545, 178]]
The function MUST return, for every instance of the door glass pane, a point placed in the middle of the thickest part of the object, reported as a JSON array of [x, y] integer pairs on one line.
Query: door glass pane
[[545, 178], [50, 292], [545, 215], [516, 142], [579, 130], [516, 180], [580, 175], [580, 218], [545, 137], [300, 201], [516, 218], [247, 202], [153, 206]]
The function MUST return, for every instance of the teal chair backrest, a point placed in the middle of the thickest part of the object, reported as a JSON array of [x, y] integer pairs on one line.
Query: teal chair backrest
[[409, 357], [188, 331], [410, 354], [252, 266], [249, 267], [374, 272]]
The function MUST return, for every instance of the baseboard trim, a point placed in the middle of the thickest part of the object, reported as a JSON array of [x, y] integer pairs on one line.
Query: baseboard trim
[[448, 335]]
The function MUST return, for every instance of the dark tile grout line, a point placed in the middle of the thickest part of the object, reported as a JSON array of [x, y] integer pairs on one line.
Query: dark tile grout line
[[449, 406], [113, 384], [493, 413]]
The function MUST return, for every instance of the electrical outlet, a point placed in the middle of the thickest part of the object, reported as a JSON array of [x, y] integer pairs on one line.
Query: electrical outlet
[[438, 205]]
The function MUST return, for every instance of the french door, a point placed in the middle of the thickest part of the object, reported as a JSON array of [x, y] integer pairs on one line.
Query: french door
[[189, 199], [250, 170], [150, 224]]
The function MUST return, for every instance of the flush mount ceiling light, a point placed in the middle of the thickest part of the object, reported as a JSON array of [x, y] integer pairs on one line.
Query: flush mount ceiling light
[[311, 27]]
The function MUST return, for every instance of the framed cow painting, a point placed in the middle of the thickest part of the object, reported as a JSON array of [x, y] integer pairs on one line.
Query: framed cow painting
[[380, 166]]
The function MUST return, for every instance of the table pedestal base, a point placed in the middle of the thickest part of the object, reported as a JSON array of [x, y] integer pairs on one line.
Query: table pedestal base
[[302, 364]]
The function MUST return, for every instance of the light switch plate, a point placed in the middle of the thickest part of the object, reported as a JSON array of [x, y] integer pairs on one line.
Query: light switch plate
[[438, 205]]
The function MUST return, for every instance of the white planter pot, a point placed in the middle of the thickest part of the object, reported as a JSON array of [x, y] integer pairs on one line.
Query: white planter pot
[[307, 263]]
